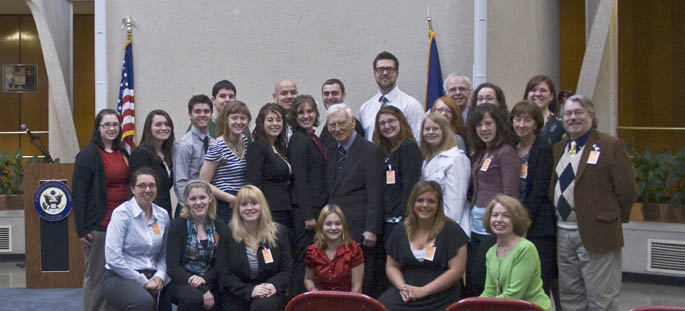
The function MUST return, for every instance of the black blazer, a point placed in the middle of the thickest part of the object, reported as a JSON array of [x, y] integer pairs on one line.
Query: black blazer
[[144, 156], [540, 209], [359, 188], [89, 190], [270, 173], [308, 191], [176, 247], [326, 138], [234, 270], [406, 162]]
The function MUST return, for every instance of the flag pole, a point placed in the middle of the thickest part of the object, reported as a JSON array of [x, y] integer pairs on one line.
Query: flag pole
[[430, 20], [127, 23]]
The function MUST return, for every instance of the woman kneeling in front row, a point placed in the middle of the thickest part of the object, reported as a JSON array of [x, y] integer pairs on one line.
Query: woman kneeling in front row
[[426, 255], [253, 257]]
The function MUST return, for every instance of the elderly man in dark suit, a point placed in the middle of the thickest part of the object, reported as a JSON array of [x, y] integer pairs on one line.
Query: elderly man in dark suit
[[593, 189], [354, 175]]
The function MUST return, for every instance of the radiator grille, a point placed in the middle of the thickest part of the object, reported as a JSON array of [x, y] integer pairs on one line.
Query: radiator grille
[[5, 239], [666, 256]]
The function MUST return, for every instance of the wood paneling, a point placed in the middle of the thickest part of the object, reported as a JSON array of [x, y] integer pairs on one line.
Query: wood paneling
[[9, 102], [84, 77], [572, 41], [651, 71], [34, 106], [35, 278]]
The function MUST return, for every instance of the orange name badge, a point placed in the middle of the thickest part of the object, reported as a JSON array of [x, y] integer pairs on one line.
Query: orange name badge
[[430, 251], [155, 229], [216, 238], [486, 164], [266, 253], [593, 158], [390, 177], [524, 170]]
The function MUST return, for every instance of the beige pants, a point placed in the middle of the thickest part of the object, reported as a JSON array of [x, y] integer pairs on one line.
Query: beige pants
[[587, 280], [92, 278]]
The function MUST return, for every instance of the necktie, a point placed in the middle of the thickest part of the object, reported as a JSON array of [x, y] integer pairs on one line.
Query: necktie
[[340, 160], [383, 100], [572, 152], [318, 144], [205, 143]]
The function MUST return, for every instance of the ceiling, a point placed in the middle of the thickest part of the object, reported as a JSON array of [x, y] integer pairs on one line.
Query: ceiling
[[19, 7]]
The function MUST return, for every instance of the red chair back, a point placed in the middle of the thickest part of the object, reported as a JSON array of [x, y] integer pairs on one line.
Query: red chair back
[[657, 308], [333, 301], [499, 304]]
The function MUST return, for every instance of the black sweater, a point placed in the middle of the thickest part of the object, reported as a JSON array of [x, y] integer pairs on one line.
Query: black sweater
[[89, 190]]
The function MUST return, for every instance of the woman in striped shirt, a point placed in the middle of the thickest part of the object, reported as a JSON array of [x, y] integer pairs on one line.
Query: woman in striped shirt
[[225, 165]]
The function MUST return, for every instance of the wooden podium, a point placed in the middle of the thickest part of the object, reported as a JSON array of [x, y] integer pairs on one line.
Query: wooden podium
[[36, 277]]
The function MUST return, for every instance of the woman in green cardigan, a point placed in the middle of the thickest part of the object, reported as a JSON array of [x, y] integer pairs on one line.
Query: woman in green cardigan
[[513, 266]]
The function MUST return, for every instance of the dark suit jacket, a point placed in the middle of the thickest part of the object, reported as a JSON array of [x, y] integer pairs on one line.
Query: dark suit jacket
[[270, 173], [308, 191], [234, 270], [326, 138], [603, 194], [540, 208], [359, 188], [175, 260], [406, 162], [144, 156]]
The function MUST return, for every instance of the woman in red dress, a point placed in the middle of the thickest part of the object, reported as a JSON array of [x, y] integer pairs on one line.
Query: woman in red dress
[[334, 261]]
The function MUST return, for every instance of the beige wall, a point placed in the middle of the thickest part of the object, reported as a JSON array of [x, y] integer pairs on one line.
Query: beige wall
[[523, 41], [184, 48]]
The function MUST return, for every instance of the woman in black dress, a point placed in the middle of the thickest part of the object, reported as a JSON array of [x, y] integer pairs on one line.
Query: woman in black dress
[[426, 255], [267, 165], [540, 91], [154, 151]]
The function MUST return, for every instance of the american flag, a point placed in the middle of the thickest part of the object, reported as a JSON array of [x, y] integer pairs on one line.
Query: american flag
[[126, 106]]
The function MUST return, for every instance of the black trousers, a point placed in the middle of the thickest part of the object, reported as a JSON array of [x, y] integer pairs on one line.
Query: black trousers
[[475, 263], [303, 238]]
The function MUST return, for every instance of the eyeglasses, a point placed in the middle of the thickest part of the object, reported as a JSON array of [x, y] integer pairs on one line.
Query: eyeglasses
[[388, 122], [459, 90], [578, 113], [109, 125], [444, 110], [385, 69], [486, 98], [339, 124], [146, 186]]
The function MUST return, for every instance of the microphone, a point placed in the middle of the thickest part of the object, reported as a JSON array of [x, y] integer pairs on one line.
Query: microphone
[[24, 128]]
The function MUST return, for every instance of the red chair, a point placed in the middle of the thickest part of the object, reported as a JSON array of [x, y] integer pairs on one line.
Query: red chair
[[499, 304], [657, 308], [333, 301]]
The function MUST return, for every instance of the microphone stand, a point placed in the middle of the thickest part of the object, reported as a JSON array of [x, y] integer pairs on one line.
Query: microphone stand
[[41, 147]]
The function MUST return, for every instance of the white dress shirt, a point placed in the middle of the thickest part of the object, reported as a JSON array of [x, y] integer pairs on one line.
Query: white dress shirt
[[452, 170], [410, 107], [132, 244]]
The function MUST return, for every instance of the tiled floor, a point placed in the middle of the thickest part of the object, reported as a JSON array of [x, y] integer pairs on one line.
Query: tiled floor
[[633, 293]]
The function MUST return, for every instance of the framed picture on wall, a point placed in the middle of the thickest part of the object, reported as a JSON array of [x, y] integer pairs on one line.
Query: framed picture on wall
[[19, 78]]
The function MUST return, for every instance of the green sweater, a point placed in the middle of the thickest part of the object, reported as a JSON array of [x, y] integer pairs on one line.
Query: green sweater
[[518, 273]]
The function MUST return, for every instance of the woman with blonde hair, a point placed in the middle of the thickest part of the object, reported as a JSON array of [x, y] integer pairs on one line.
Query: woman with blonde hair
[[446, 164], [426, 255], [191, 250], [257, 271], [225, 164], [334, 261], [513, 266], [447, 107]]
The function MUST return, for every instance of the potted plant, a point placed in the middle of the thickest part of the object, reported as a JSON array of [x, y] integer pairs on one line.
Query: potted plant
[[660, 178], [11, 181]]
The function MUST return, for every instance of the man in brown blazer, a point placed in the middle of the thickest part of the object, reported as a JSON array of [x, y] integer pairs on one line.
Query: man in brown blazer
[[593, 189]]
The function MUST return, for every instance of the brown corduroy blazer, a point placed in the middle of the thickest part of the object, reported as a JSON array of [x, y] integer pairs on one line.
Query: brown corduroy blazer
[[604, 192]]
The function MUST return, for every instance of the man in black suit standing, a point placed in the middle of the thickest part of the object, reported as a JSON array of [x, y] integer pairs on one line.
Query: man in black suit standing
[[354, 175]]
